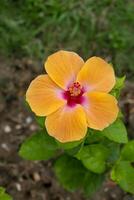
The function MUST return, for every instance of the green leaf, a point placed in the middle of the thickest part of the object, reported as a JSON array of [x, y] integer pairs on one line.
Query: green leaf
[[119, 82], [27, 105], [2, 190], [39, 146], [92, 183], [94, 164], [69, 145], [116, 132], [114, 151], [40, 121], [93, 157], [127, 152], [123, 174], [93, 136], [120, 114], [3, 195], [70, 172], [73, 175], [118, 86], [74, 151]]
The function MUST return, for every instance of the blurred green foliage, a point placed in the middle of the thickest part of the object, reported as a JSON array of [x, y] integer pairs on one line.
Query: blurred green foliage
[[36, 28]]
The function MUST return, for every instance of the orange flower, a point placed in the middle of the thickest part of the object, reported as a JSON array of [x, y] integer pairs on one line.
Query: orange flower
[[74, 95]]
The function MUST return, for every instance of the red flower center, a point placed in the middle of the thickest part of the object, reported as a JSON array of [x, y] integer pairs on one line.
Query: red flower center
[[74, 94]]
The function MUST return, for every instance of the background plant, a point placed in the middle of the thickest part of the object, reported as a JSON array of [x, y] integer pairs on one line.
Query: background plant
[[37, 28]]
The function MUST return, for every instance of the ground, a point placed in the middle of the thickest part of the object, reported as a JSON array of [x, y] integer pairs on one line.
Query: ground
[[36, 180]]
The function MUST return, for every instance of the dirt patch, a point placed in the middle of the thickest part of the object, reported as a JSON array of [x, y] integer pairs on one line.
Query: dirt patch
[[36, 180]]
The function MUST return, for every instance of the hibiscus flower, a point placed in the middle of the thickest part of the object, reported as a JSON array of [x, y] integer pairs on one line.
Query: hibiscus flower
[[73, 95]]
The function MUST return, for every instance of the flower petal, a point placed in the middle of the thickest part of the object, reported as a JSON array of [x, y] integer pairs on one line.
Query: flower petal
[[67, 124], [44, 96], [101, 109], [63, 67], [97, 75]]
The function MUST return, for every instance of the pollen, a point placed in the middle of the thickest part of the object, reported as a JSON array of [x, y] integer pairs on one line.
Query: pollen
[[75, 89]]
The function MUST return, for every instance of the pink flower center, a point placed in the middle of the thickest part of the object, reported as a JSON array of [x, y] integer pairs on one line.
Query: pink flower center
[[73, 94]]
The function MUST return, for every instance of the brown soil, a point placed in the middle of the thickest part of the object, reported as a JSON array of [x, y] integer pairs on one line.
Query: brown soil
[[26, 180]]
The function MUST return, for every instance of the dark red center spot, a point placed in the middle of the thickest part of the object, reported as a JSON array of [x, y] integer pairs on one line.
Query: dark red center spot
[[74, 94]]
